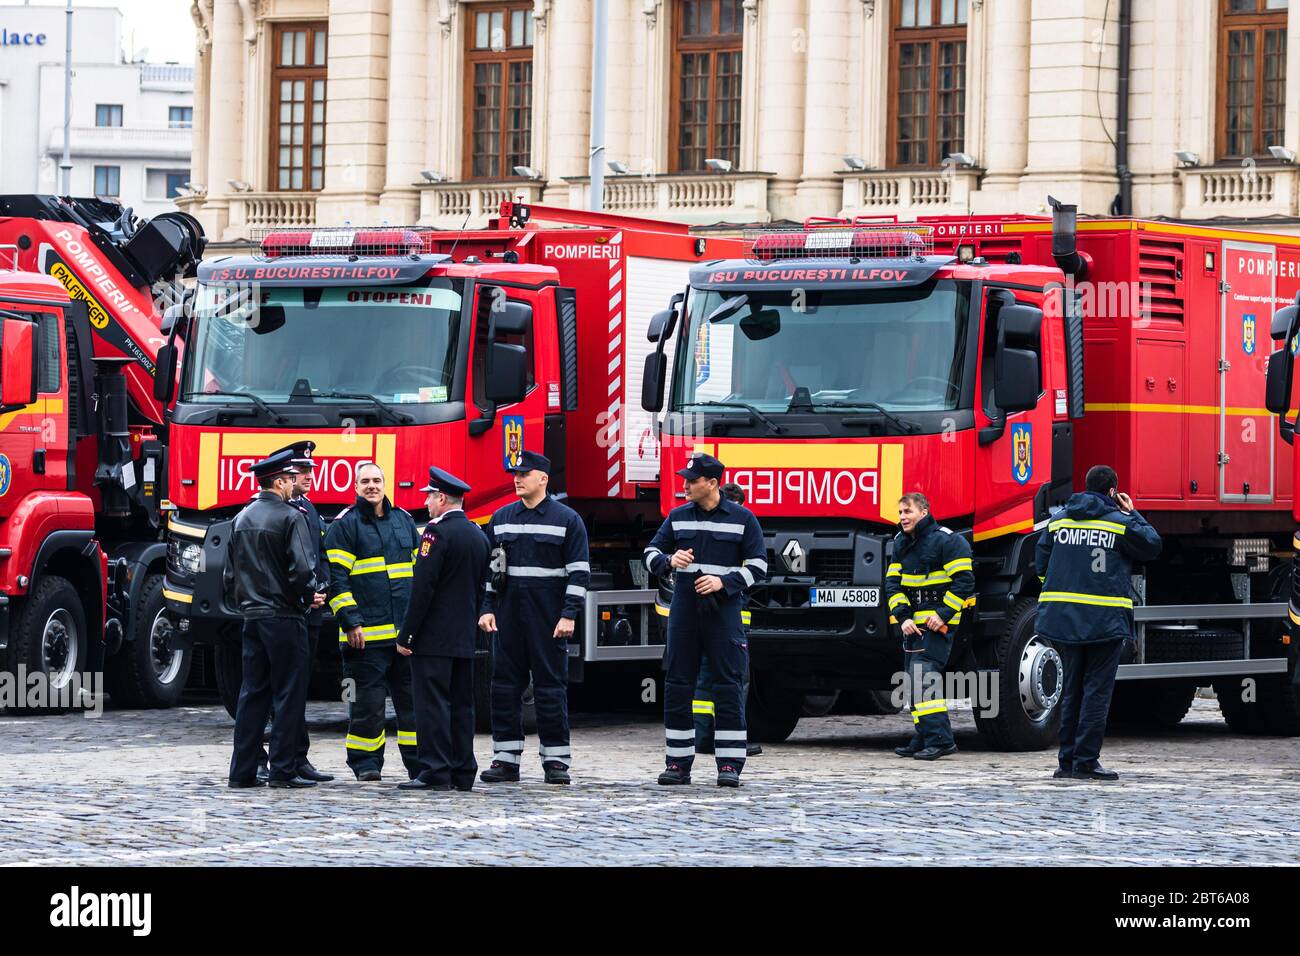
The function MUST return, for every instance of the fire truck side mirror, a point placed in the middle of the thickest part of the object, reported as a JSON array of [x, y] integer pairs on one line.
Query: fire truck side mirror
[[653, 377], [507, 374], [164, 379], [18, 371], [661, 325], [1277, 382], [1284, 320], [1018, 368]]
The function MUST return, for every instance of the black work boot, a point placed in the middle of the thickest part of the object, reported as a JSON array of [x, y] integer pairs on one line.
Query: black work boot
[[911, 748], [311, 773], [728, 776], [753, 749], [500, 772], [934, 753], [675, 775], [556, 773]]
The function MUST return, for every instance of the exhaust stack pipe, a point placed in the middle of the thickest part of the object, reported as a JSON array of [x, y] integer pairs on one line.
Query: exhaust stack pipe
[[1065, 245]]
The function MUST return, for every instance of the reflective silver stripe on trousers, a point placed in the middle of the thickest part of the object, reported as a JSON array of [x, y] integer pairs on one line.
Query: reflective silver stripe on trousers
[[505, 757], [729, 753], [729, 735], [680, 734], [553, 751], [507, 745], [680, 751], [718, 527], [527, 572], [550, 530]]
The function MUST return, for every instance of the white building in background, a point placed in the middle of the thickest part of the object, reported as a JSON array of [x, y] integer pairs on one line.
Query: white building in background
[[131, 122]]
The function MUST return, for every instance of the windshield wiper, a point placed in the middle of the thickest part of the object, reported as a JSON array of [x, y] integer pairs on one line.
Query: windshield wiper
[[271, 412], [909, 427], [401, 418], [776, 429]]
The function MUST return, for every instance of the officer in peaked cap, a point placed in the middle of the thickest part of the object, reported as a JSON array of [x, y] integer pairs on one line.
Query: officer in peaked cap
[[716, 547], [301, 458], [438, 635], [538, 589], [270, 575]]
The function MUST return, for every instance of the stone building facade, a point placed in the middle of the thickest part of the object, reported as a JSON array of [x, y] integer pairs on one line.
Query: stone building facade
[[737, 111]]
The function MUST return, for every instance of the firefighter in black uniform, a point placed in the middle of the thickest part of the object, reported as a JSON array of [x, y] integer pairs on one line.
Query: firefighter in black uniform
[[371, 548], [716, 548], [1085, 559], [928, 583], [438, 635], [270, 575], [537, 590]]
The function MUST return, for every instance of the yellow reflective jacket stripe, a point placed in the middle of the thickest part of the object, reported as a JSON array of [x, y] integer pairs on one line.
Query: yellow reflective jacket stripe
[[377, 632], [1093, 525], [894, 570], [343, 600], [953, 601], [897, 599], [958, 564], [344, 559], [921, 580], [1097, 600], [369, 565]]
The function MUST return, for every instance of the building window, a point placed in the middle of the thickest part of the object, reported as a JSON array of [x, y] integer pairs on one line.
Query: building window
[[180, 117], [498, 90], [707, 47], [108, 114], [108, 180], [164, 184], [298, 106], [176, 182], [1252, 76], [927, 111]]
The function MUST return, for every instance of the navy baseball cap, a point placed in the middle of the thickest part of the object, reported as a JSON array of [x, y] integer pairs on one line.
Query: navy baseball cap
[[702, 466], [531, 461], [445, 482], [277, 463]]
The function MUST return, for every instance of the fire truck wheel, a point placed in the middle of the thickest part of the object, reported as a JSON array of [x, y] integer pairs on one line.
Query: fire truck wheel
[[1268, 705], [1028, 686], [150, 670], [483, 699], [228, 663], [1151, 704], [50, 636], [771, 712]]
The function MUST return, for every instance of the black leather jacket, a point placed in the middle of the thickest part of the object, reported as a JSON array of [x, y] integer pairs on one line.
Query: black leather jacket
[[270, 559]]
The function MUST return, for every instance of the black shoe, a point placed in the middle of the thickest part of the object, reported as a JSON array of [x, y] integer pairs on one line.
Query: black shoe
[[418, 784], [294, 783], [934, 753], [245, 784], [557, 774], [675, 775], [1096, 773], [908, 750], [1061, 774], [753, 750], [370, 776], [500, 772], [308, 772], [463, 787], [263, 773], [728, 776]]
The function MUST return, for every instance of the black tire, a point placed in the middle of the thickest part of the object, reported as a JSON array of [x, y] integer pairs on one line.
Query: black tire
[[1030, 720], [819, 705], [1171, 643], [1273, 711], [771, 712], [228, 667], [49, 636], [149, 670], [483, 699], [1152, 704]]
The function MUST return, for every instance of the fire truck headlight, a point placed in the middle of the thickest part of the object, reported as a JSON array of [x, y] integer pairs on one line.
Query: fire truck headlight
[[185, 557]]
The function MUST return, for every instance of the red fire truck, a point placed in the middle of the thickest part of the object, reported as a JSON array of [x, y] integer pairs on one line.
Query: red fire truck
[[988, 362], [82, 457], [410, 347]]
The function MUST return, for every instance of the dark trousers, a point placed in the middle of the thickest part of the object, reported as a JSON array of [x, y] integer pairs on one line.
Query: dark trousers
[[925, 658], [1088, 683], [376, 672], [275, 677], [313, 638], [693, 632], [702, 707], [525, 644], [444, 718]]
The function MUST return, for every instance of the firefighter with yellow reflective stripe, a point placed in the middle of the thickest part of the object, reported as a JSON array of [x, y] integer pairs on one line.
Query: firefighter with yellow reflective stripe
[[371, 549], [928, 583], [1085, 560]]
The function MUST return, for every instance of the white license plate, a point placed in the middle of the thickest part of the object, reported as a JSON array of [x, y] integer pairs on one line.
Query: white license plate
[[844, 597]]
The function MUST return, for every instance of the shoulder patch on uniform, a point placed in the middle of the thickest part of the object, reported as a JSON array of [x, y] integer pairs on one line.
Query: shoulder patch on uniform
[[945, 530]]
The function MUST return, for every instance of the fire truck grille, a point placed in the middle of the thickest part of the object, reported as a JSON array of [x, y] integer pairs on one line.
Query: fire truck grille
[[827, 566], [825, 621]]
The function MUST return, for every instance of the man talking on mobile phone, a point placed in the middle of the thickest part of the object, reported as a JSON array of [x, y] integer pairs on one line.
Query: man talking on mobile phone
[[1085, 560]]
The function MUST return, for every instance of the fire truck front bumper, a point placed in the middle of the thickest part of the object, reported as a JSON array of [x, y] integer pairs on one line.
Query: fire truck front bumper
[[196, 558]]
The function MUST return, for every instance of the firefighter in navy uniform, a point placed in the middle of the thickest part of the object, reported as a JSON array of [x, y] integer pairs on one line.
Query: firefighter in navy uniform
[[371, 548], [1085, 559], [536, 591], [270, 575], [716, 547], [928, 583], [439, 633]]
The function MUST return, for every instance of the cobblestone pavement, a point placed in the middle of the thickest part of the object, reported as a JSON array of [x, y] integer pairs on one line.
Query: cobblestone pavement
[[139, 787]]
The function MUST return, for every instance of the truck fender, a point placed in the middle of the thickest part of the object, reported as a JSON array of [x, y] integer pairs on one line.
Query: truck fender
[[135, 558], [1004, 575], [82, 550]]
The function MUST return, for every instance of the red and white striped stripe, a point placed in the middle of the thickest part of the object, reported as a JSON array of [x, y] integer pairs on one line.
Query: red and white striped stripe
[[614, 383]]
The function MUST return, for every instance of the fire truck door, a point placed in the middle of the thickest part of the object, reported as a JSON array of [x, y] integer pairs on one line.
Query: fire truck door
[[1246, 433], [34, 438]]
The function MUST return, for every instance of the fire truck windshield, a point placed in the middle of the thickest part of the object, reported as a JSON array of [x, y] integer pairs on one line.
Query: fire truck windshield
[[897, 350], [394, 344]]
